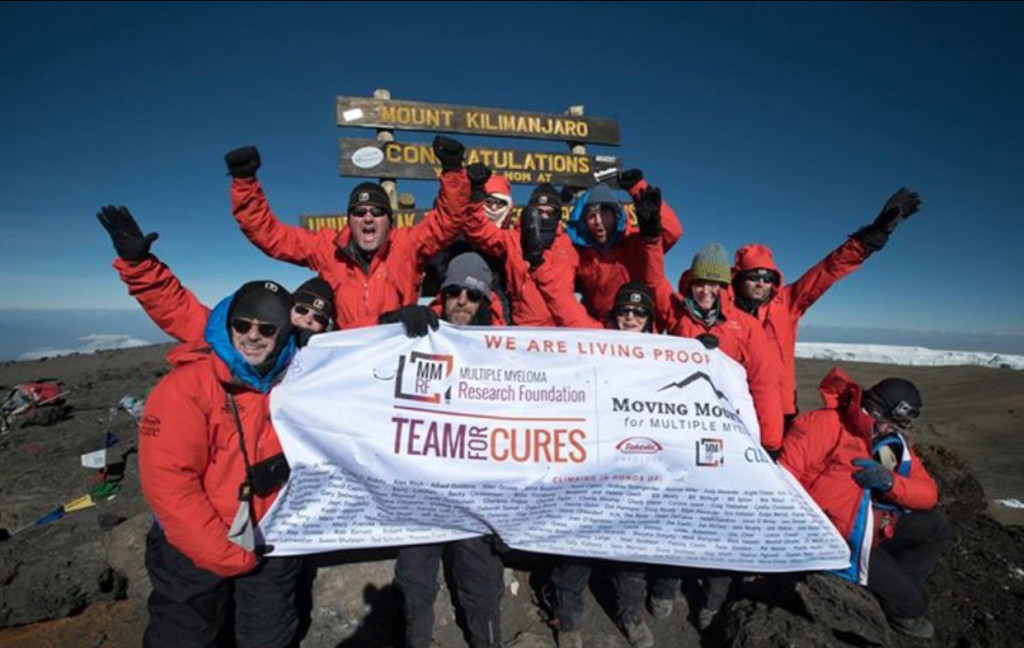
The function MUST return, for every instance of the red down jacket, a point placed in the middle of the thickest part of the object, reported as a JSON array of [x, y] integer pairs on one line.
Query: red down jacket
[[190, 463], [739, 336], [171, 306], [528, 305], [395, 272], [821, 445], [781, 314], [600, 272]]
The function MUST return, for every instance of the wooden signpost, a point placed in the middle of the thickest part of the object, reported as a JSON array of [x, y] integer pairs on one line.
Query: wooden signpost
[[390, 161], [367, 158], [472, 120]]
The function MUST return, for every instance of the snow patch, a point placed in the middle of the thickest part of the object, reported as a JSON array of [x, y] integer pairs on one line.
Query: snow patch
[[91, 344], [906, 355]]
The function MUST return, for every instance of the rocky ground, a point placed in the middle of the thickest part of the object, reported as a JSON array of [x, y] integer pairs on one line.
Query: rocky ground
[[80, 581]]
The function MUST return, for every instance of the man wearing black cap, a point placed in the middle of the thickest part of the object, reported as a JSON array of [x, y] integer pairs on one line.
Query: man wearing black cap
[[854, 459], [174, 308], [475, 563], [371, 266], [211, 466]]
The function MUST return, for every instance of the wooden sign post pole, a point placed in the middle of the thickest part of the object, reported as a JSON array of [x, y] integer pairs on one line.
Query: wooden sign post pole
[[384, 135]]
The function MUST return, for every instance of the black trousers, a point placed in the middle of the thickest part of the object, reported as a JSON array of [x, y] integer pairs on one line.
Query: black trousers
[[898, 567], [477, 570], [570, 577], [189, 607]]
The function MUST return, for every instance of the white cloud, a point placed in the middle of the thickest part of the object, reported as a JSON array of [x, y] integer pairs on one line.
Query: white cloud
[[91, 344]]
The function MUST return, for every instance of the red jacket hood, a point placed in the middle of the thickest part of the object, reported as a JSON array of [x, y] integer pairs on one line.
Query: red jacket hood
[[839, 392], [753, 256], [497, 184]]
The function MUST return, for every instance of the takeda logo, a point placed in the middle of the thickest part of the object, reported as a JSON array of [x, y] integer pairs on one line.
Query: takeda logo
[[638, 445], [710, 453], [424, 377]]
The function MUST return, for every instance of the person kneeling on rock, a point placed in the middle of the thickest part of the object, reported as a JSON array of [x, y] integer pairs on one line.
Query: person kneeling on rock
[[853, 458], [211, 466]]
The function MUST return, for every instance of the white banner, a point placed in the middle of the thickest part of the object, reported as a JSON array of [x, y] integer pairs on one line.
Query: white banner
[[586, 443]]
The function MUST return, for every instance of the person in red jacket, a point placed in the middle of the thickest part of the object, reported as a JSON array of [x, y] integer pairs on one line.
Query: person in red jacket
[[855, 461], [210, 466], [174, 308], [372, 267], [608, 252], [759, 289], [503, 243], [702, 310], [475, 564]]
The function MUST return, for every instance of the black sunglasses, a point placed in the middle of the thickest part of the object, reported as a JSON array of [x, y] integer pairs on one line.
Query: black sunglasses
[[472, 294], [766, 276], [322, 320], [363, 211], [242, 327], [638, 311]]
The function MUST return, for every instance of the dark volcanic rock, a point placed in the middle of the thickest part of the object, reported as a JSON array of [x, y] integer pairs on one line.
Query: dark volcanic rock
[[748, 624], [846, 609], [959, 492]]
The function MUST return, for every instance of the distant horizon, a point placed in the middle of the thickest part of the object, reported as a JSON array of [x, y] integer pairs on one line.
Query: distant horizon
[[37, 332]]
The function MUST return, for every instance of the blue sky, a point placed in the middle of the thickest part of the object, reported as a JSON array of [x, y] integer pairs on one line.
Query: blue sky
[[785, 124]]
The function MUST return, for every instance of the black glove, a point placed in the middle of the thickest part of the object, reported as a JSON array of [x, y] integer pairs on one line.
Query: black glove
[[872, 475], [629, 178], [243, 162], [478, 174], [529, 237], [900, 206], [648, 213], [567, 195], [709, 340], [128, 240], [417, 320], [449, 152]]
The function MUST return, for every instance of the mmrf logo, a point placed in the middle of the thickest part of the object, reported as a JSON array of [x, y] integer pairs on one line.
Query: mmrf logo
[[710, 453], [424, 377]]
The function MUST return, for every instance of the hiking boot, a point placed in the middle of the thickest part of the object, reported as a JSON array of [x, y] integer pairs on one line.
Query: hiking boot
[[570, 639], [705, 618], [638, 634], [918, 627], [661, 608]]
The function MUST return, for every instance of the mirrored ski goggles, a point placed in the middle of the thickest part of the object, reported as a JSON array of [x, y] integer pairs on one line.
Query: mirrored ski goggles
[[265, 329], [302, 311], [902, 414], [472, 294]]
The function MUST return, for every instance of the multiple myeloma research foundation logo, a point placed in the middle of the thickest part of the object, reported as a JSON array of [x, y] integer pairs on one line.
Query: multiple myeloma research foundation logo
[[710, 452], [424, 377]]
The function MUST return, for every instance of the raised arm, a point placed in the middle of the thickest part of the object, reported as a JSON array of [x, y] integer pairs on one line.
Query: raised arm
[[441, 225], [852, 253], [259, 224], [170, 305], [632, 180], [553, 276]]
